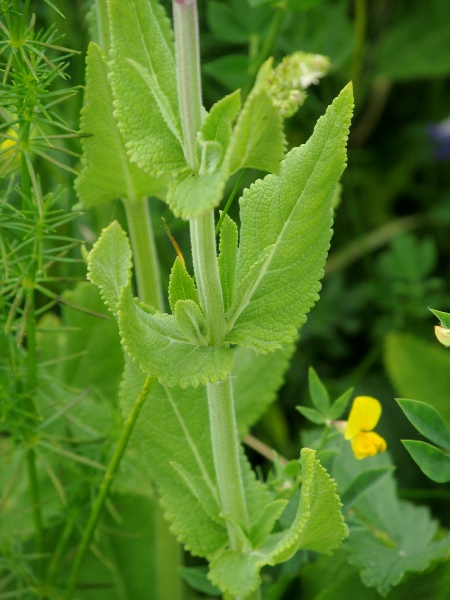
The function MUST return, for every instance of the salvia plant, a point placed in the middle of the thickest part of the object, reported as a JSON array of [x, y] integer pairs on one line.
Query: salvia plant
[[202, 362]]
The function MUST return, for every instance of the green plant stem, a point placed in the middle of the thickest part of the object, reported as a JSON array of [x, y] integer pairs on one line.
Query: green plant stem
[[204, 255], [360, 36], [225, 445], [104, 39], [188, 74], [106, 486], [146, 266], [230, 200], [169, 557], [145, 256], [30, 407], [33, 485], [224, 436]]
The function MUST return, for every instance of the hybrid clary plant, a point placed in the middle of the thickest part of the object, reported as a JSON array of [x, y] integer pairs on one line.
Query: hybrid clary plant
[[233, 321]]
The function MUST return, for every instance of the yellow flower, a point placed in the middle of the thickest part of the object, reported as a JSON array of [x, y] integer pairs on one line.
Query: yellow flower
[[363, 418], [7, 148]]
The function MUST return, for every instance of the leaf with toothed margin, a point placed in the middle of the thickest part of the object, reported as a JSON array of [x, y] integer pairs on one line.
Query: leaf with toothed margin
[[109, 264], [258, 140], [106, 171], [228, 248], [285, 235], [161, 350], [191, 322], [141, 33], [181, 285], [173, 433], [192, 193], [318, 526]]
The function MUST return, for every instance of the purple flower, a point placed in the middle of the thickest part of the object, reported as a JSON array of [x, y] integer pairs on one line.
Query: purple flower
[[440, 135]]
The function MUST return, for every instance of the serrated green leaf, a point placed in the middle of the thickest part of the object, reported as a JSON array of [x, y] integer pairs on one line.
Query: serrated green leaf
[[211, 156], [192, 193], [204, 493], [288, 217], [228, 248], [362, 484], [258, 140], [217, 125], [318, 393], [311, 414], [160, 348], [191, 322], [432, 461], [419, 370], [174, 428], [109, 265], [340, 404], [140, 31], [106, 172], [181, 285], [444, 317], [318, 526], [151, 80], [427, 421]]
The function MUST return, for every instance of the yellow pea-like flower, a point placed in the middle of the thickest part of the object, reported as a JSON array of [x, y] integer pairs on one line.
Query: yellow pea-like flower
[[7, 147], [364, 417]]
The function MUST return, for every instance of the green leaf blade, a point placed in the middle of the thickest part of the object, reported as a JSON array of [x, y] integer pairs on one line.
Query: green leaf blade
[[318, 392], [158, 345], [106, 172], [140, 31], [431, 460], [109, 264], [228, 249], [427, 421], [286, 228], [258, 140], [181, 285]]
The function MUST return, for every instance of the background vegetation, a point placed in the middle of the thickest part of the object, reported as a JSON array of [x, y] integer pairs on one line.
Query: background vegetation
[[389, 261]]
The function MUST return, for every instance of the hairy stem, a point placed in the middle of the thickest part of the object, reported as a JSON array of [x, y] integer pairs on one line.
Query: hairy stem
[[188, 74], [223, 427], [145, 256], [204, 255], [225, 444], [105, 487]]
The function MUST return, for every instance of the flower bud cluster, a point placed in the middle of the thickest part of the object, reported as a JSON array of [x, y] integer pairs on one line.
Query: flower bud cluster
[[287, 82]]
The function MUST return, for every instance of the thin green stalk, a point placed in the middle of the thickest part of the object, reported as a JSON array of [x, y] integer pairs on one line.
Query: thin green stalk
[[145, 256], [30, 407], [33, 485], [230, 200], [225, 445], [105, 487], [360, 37], [101, 10], [169, 557]]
